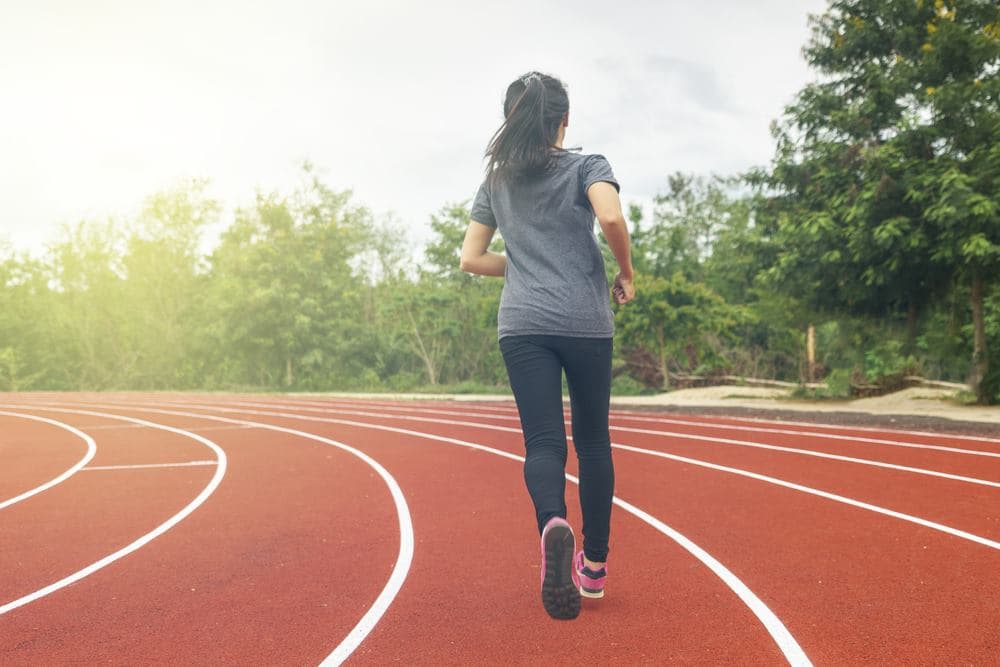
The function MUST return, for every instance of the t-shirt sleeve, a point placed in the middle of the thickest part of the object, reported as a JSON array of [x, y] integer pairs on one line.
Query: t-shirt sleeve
[[482, 211], [596, 168]]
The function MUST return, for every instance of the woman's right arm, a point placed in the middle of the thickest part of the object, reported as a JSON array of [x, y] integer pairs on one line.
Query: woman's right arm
[[476, 256], [608, 208]]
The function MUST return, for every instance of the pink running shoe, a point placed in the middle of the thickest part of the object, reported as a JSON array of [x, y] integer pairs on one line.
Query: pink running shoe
[[591, 583], [560, 594]]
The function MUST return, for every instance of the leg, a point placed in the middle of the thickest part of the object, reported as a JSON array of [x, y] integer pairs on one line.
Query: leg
[[536, 380], [588, 374]]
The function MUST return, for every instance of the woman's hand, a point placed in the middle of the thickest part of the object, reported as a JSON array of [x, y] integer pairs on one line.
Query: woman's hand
[[623, 291]]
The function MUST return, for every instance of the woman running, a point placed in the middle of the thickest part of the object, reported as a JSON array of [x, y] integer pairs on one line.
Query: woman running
[[555, 315]]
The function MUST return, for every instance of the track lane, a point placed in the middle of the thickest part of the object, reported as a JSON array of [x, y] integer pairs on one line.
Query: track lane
[[860, 434], [233, 585], [786, 641], [974, 515], [980, 470], [883, 545], [953, 458], [848, 585], [29, 457], [52, 540]]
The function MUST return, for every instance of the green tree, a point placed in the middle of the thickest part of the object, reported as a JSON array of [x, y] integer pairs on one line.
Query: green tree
[[674, 325], [164, 279], [89, 314], [24, 298], [449, 318], [287, 292], [687, 218], [884, 182]]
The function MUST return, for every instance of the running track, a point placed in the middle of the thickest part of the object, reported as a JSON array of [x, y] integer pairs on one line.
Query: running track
[[210, 529]]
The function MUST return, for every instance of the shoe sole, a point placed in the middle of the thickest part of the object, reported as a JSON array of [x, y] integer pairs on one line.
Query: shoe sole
[[591, 594], [560, 596]]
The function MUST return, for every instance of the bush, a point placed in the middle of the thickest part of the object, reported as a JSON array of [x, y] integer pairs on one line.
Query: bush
[[887, 366], [838, 383], [626, 385], [838, 386]]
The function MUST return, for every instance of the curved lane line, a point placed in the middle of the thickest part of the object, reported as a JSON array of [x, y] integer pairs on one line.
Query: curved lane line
[[869, 429], [406, 541], [955, 532], [91, 450], [724, 441], [631, 414], [809, 452], [148, 537], [707, 424], [775, 628]]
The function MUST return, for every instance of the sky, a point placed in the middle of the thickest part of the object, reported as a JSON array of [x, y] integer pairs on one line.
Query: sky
[[106, 102]]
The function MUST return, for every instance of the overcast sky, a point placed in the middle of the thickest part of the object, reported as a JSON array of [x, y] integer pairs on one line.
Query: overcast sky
[[106, 101]]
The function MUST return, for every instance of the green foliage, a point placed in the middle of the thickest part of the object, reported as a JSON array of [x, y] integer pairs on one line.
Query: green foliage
[[687, 219], [626, 385], [674, 325], [878, 222], [883, 190], [838, 384], [886, 365]]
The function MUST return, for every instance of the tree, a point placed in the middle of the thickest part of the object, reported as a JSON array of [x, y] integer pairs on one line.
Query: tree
[[287, 292], [686, 221], [24, 297], [884, 183], [451, 315], [89, 314], [674, 324], [164, 279]]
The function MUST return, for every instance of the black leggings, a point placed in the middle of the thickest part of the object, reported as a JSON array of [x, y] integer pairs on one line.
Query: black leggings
[[535, 364]]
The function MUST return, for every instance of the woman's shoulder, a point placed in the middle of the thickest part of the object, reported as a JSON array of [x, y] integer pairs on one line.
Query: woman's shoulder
[[583, 163], [583, 160]]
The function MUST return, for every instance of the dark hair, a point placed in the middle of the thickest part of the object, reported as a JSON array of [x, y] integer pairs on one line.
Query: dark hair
[[533, 108]]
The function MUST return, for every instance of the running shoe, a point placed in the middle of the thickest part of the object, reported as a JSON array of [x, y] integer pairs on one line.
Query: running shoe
[[591, 583], [560, 594]]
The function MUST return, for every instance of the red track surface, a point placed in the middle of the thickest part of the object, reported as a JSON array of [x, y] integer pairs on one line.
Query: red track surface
[[292, 549]]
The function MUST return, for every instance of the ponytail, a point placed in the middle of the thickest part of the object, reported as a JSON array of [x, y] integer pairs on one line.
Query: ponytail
[[533, 108]]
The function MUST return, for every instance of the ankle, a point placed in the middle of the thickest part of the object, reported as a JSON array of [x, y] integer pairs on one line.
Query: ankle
[[593, 566]]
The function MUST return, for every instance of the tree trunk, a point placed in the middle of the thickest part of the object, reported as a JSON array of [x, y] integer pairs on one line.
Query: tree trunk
[[912, 315], [980, 362], [811, 353], [289, 378], [663, 360], [423, 352]]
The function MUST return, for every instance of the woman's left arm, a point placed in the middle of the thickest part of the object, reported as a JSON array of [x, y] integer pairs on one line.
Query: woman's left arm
[[476, 256]]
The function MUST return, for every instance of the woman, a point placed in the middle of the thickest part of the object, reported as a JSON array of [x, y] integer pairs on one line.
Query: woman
[[555, 316]]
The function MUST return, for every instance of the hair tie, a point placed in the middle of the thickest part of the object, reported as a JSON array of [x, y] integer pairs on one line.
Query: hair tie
[[528, 77]]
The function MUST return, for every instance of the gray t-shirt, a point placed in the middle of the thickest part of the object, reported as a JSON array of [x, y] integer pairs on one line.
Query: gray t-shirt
[[555, 281]]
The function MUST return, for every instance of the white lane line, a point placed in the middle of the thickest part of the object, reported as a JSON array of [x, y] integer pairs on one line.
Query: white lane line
[[117, 427], [736, 443], [110, 427], [701, 424], [406, 541], [955, 532], [867, 429], [632, 414], [822, 494], [137, 466], [809, 452], [66, 474], [775, 628], [213, 483], [814, 434]]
